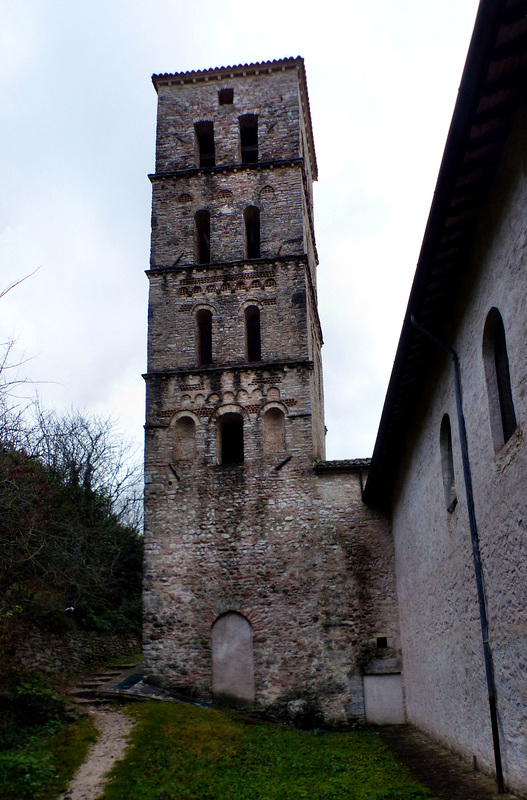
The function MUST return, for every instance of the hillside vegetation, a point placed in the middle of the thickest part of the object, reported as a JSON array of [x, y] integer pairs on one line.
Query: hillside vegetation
[[70, 548]]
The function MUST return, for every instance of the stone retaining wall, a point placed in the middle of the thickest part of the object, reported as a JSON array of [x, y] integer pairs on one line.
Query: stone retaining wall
[[34, 648]]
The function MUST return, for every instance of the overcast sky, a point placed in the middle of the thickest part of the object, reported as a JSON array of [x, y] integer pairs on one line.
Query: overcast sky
[[78, 133]]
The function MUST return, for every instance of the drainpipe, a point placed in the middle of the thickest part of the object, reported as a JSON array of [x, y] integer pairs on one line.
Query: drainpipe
[[491, 686]]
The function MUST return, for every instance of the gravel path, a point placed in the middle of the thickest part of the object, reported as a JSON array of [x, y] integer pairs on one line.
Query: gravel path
[[114, 729]]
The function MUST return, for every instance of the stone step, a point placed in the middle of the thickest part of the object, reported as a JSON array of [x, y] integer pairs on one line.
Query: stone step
[[80, 693], [96, 688]]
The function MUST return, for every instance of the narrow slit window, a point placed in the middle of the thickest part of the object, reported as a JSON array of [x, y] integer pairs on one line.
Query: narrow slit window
[[497, 373], [205, 143], [447, 464], [249, 138], [226, 97], [202, 237], [204, 336], [251, 218], [252, 333], [503, 379], [231, 439]]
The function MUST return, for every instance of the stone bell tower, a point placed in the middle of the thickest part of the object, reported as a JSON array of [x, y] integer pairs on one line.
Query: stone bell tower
[[237, 568]]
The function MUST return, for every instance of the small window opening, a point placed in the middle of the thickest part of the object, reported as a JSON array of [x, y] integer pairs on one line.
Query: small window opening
[[205, 140], [202, 237], [273, 430], [251, 218], [226, 97], [231, 439], [503, 379], [447, 464], [184, 439], [249, 138], [204, 336], [382, 642], [252, 333], [497, 372]]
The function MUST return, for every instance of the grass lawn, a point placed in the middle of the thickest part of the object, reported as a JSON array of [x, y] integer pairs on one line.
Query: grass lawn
[[182, 752]]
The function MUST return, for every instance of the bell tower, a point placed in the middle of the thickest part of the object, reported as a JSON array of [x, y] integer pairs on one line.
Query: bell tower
[[242, 563], [234, 336]]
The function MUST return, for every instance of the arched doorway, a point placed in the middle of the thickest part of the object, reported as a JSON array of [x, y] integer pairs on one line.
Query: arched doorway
[[232, 659]]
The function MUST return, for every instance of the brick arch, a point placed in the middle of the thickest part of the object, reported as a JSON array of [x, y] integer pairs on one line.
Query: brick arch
[[184, 413], [274, 404], [204, 307], [250, 301], [230, 408]]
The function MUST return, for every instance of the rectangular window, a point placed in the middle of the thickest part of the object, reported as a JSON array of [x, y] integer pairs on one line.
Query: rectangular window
[[249, 138], [202, 237], [226, 97], [205, 143]]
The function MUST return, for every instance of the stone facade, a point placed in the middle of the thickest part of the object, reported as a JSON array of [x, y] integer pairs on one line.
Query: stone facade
[[270, 577], [249, 549], [464, 639], [446, 691]]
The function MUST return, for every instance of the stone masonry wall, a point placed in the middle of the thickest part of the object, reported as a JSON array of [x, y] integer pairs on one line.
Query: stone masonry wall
[[296, 553], [31, 648], [276, 192], [278, 289], [444, 670], [274, 97], [292, 550]]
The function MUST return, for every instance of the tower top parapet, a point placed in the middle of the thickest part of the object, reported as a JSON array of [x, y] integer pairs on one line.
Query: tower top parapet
[[245, 70]]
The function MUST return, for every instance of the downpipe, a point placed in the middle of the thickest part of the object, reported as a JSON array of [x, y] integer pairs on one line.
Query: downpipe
[[491, 686]]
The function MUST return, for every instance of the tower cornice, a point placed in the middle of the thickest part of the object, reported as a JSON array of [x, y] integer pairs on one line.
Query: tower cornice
[[248, 366], [227, 168], [242, 262]]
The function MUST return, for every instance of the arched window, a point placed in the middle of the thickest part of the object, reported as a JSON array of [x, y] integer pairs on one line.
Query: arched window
[[202, 237], [252, 334], [251, 217], [204, 336], [273, 430], [231, 438], [447, 463], [249, 138], [184, 439], [496, 361], [205, 143]]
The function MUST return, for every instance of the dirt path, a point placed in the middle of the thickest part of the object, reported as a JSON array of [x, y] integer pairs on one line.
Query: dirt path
[[114, 729]]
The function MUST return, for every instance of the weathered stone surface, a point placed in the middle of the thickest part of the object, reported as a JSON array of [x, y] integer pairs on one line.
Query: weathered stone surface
[[30, 647], [292, 550], [446, 691]]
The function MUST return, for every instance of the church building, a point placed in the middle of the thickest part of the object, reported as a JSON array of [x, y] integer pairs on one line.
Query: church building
[[339, 592]]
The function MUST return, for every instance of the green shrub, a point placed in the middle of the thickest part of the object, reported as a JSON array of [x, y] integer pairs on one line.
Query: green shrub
[[42, 767]]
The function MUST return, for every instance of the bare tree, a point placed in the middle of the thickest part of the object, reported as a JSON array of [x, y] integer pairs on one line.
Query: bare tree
[[88, 451]]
